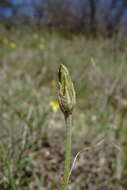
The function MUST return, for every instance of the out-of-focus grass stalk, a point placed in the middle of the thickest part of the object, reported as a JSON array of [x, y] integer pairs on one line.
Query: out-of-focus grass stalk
[[66, 101], [6, 166]]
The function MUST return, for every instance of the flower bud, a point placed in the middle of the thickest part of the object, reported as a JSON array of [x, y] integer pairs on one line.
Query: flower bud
[[66, 96]]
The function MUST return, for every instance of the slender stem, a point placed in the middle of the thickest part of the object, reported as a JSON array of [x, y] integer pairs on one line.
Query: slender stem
[[68, 121]]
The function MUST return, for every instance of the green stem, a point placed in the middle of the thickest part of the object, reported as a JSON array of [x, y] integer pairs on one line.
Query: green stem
[[68, 121]]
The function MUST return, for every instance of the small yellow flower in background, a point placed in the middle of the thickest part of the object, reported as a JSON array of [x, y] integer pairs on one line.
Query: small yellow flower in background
[[12, 44], [54, 106], [53, 83], [41, 46]]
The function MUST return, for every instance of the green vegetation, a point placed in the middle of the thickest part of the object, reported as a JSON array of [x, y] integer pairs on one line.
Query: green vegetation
[[32, 126], [67, 102]]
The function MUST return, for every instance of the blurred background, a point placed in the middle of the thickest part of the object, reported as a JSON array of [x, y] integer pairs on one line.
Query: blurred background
[[89, 37], [87, 15]]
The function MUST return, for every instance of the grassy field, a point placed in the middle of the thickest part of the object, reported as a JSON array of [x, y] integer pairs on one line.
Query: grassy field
[[32, 126]]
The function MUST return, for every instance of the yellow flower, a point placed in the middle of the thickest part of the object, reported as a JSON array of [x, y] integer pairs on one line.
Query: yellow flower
[[41, 46], [12, 44], [53, 83], [54, 106]]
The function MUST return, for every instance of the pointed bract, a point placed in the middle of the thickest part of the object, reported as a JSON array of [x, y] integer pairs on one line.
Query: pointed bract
[[67, 97]]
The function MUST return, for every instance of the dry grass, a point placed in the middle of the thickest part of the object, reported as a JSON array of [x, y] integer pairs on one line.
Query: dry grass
[[31, 129]]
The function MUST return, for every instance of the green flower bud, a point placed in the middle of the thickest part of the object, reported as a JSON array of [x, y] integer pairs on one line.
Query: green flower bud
[[66, 96]]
